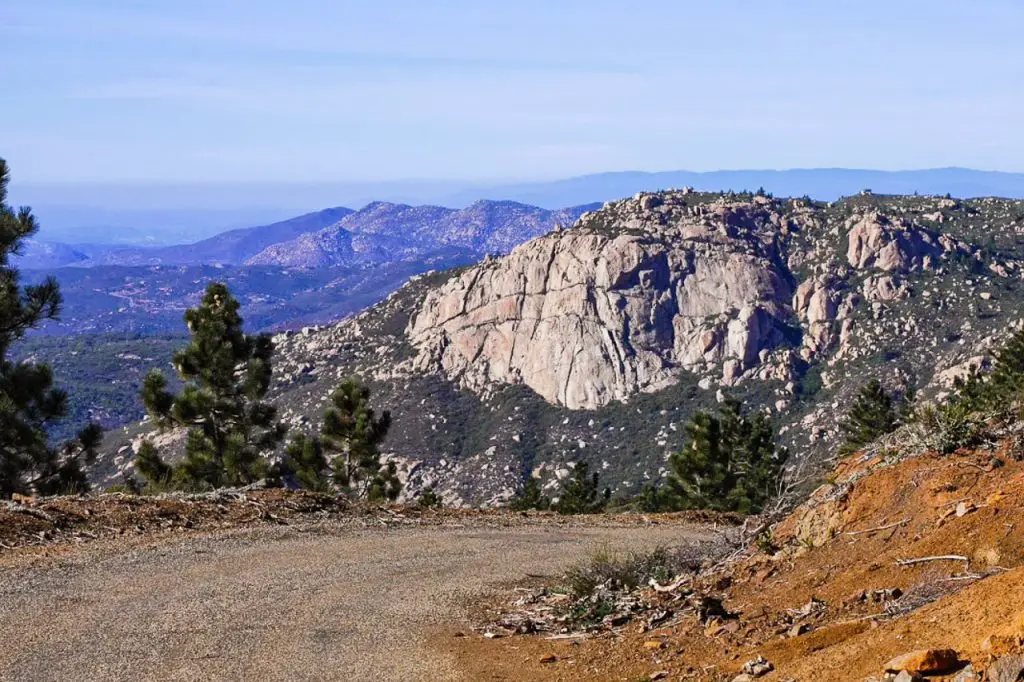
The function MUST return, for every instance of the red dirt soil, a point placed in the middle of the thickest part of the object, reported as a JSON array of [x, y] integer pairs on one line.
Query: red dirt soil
[[830, 553]]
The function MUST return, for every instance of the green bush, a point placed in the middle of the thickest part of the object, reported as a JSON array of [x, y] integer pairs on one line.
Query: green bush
[[429, 499]]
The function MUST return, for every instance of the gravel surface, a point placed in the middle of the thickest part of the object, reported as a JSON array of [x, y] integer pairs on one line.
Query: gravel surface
[[294, 603]]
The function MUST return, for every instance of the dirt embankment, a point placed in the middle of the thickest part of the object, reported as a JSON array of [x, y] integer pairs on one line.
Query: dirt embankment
[[856, 581]]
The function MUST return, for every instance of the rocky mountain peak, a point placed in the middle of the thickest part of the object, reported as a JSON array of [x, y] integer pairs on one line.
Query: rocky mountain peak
[[599, 341], [730, 288]]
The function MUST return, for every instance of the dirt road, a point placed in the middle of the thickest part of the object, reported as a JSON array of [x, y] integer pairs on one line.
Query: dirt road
[[275, 604]]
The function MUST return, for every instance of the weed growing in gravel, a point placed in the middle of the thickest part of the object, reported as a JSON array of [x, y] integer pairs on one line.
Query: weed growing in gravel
[[623, 570]]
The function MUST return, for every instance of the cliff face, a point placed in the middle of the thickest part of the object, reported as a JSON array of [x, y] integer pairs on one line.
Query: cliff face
[[584, 318], [662, 284]]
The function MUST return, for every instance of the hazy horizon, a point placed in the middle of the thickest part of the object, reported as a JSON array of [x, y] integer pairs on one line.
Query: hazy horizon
[[156, 213]]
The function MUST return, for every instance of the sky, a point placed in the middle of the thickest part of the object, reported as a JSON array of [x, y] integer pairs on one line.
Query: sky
[[216, 91]]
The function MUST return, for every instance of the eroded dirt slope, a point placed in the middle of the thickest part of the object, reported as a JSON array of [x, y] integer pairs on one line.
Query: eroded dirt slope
[[839, 599]]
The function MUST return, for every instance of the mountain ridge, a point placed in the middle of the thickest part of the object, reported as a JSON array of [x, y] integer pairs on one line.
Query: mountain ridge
[[598, 342], [383, 230]]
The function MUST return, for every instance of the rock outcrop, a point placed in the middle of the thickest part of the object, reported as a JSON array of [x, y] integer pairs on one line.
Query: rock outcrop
[[659, 285], [585, 318], [876, 241]]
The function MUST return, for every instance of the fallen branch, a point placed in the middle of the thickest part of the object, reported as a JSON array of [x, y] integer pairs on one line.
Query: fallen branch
[[878, 528], [570, 635], [668, 588], [921, 560], [969, 576], [38, 513]]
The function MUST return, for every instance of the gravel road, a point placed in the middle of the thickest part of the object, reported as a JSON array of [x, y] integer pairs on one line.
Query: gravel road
[[276, 603]]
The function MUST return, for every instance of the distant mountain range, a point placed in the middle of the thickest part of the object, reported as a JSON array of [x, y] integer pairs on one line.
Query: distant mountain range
[[227, 248], [384, 232], [161, 214], [380, 232], [823, 184], [310, 269]]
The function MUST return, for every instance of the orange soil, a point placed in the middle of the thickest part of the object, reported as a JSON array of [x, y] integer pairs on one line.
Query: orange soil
[[844, 642]]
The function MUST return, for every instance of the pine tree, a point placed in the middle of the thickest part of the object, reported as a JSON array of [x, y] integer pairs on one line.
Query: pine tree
[[699, 473], [1005, 384], [226, 375], [29, 402], [531, 497], [580, 493], [430, 499], [730, 462], [305, 464], [872, 414], [353, 431]]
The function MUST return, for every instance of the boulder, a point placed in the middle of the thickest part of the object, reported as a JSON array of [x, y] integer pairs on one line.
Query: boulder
[[925, 662], [1006, 669]]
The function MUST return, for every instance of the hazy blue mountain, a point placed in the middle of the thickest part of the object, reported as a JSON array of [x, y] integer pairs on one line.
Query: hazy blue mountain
[[139, 214], [234, 246], [825, 184], [45, 255], [150, 227], [282, 280], [384, 232], [158, 214]]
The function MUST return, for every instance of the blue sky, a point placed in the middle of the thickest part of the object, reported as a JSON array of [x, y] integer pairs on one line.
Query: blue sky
[[306, 90]]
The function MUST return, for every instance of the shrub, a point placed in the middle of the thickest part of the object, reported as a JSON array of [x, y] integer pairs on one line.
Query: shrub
[[623, 570], [766, 542], [949, 426], [428, 499]]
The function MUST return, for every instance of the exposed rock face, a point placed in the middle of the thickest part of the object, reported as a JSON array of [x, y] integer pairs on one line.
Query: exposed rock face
[[585, 318], [658, 285], [816, 305], [884, 288], [876, 241]]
